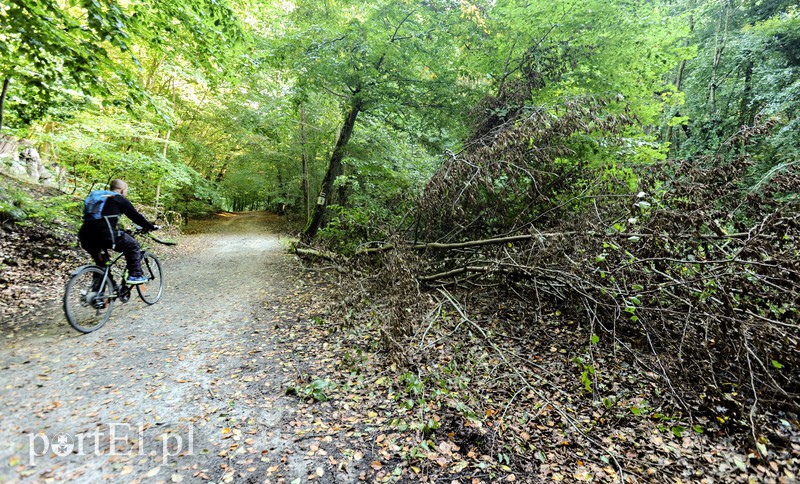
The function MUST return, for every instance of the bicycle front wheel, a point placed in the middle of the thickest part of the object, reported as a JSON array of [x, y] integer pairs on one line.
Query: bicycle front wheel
[[87, 305], [153, 289]]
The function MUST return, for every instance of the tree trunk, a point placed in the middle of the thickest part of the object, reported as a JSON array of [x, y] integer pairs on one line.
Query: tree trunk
[[158, 195], [746, 111], [281, 189], [678, 83], [341, 197], [6, 82], [222, 171], [334, 168], [304, 158], [719, 47]]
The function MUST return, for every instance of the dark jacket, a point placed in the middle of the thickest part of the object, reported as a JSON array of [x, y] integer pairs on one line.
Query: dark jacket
[[105, 229]]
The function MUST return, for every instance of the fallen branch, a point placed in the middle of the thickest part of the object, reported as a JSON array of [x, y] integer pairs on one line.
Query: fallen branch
[[454, 272], [333, 257], [521, 238], [464, 245]]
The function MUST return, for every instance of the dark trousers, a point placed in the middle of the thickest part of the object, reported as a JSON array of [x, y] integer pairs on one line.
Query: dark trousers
[[124, 243]]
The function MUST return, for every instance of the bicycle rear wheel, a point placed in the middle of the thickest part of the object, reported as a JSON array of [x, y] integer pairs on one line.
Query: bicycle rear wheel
[[86, 306], [153, 289]]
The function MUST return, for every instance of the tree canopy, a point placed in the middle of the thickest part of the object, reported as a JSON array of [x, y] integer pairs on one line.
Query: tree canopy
[[351, 103]]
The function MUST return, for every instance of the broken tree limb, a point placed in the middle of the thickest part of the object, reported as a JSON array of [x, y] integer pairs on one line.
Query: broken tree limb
[[317, 253], [478, 243], [463, 245], [454, 272], [524, 237]]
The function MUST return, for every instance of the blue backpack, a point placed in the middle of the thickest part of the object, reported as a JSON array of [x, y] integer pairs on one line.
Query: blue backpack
[[94, 203]]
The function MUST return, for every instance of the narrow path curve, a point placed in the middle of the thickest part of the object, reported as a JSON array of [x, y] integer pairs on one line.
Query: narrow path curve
[[183, 390]]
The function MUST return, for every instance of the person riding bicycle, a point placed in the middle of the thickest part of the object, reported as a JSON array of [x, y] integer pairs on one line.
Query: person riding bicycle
[[99, 230]]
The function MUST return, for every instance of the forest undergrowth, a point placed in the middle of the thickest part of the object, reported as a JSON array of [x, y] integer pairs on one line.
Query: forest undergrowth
[[34, 257], [571, 321]]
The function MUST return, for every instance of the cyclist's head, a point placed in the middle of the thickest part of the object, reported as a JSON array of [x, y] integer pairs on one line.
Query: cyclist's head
[[118, 185]]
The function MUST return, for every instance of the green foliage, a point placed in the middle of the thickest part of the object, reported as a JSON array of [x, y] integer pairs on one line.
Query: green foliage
[[96, 148], [316, 390], [742, 90], [56, 53], [16, 205], [12, 204], [587, 373], [574, 48], [55, 208]]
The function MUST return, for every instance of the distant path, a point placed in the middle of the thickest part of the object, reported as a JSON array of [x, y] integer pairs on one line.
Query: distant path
[[194, 373]]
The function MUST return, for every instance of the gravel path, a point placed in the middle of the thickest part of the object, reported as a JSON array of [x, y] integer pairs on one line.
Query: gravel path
[[188, 389]]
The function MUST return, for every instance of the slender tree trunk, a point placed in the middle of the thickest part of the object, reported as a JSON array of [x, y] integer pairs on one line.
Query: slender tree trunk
[[341, 196], [678, 82], [334, 168], [6, 82], [222, 171], [304, 157], [719, 47], [746, 112], [281, 190]]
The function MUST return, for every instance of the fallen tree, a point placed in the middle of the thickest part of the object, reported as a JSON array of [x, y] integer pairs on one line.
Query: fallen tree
[[694, 270]]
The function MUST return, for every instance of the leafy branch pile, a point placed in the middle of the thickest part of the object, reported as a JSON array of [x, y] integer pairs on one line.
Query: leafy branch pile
[[688, 268]]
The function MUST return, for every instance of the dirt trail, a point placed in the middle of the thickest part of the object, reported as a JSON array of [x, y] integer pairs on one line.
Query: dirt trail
[[190, 388]]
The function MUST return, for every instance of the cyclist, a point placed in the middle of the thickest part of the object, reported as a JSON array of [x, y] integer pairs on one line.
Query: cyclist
[[99, 230]]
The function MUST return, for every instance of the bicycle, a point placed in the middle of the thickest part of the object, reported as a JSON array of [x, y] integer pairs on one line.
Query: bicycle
[[91, 291]]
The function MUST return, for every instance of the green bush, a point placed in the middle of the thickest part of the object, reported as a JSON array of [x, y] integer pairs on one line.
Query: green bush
[[11, 206]]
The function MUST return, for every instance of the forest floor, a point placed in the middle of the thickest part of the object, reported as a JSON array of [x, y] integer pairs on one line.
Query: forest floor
[[242, 373]]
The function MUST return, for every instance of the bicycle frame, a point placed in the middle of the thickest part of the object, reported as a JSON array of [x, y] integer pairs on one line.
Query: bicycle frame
[[118, 291]]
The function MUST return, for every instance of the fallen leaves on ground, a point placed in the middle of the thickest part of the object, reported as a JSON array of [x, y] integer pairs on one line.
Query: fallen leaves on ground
[[455, 415]]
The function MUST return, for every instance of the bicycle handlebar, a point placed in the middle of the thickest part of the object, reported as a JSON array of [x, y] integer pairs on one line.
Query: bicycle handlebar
[[156, 239], [139, 231]]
